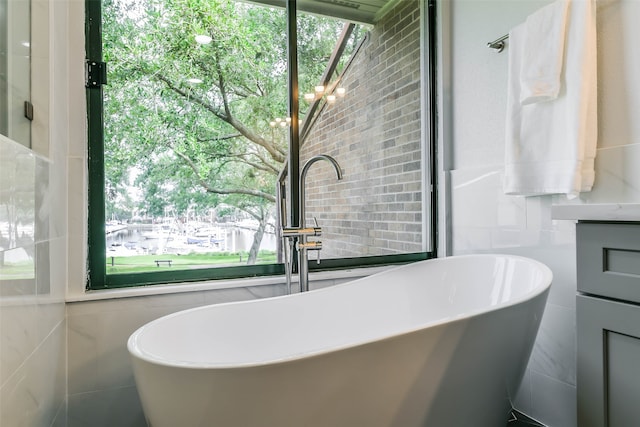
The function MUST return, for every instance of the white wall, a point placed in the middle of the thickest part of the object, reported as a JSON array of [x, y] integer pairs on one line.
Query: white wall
[[482, 219]]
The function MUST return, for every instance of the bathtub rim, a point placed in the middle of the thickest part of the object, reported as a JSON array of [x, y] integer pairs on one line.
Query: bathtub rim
[[137, 352]]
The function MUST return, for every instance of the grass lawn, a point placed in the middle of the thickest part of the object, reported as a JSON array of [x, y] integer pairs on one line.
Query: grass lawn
[[140, 263]]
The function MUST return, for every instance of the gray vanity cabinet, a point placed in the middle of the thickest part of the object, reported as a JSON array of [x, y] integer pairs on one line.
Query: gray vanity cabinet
[[608, 322]]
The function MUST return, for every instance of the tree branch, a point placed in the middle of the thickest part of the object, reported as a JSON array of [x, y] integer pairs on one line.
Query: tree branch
[[221, 138], [227, 117], [210, 189], [267, 167]]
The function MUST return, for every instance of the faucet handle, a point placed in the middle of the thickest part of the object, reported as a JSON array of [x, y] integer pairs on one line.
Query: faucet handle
[[296, 231], [319, 247], [317, 227], [314, 245]]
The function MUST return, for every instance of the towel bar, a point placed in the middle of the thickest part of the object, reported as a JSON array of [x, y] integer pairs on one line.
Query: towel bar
[[498, 44]]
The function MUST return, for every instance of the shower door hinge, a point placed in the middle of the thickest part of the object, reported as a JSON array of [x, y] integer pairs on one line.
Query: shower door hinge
[[95, 74], [28, 110]]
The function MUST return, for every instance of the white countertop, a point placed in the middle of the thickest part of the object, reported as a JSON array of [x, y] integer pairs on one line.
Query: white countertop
[[597, 212]]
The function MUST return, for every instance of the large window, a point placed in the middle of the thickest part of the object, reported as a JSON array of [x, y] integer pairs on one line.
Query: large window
[[190, 137]]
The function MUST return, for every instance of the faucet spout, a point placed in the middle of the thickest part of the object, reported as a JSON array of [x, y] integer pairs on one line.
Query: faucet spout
[[303, 178], [319, 157], [303, 245]]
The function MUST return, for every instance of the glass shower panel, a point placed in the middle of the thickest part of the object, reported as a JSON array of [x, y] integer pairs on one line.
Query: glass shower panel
[[15, 66], [18, 199]]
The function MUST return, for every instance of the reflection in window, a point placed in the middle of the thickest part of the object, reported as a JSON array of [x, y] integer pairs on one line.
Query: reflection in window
[[17, 218], [15, 64]]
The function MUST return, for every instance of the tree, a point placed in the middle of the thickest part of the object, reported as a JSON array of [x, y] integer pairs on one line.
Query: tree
[[192, 118]]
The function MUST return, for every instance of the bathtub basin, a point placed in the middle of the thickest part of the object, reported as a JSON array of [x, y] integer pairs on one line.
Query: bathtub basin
[[438, 343]]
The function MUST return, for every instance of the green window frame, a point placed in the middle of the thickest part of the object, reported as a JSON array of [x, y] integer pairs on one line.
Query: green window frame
[[98, 278]]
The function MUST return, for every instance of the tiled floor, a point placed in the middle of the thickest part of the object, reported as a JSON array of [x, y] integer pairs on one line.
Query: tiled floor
[[516, 419]]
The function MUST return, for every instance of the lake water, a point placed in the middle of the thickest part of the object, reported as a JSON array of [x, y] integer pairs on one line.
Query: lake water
[[233, 239]]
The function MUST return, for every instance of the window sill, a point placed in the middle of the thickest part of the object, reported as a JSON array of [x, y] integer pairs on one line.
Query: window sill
[[176, 288]]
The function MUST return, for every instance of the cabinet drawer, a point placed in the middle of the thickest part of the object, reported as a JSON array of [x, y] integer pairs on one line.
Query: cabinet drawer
[[608, 258]]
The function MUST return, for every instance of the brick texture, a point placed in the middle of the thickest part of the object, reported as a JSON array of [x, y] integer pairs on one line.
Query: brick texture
[[374, 133]]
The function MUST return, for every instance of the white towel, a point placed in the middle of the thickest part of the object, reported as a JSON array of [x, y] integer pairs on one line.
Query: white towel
[[551, 146], [543, 53]]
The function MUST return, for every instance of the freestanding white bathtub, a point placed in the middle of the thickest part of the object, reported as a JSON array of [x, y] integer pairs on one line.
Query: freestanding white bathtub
[[439, 343]]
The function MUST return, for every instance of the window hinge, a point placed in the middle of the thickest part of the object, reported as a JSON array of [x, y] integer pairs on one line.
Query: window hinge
[[95, 74]]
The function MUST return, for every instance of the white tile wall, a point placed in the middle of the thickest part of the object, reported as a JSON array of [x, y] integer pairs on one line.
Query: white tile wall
[[554, 353], [485, 220]]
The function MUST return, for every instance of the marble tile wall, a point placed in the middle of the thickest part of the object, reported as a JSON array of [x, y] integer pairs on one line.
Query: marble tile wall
[[32, 290], [483, 219]]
